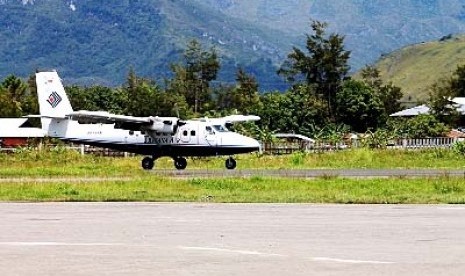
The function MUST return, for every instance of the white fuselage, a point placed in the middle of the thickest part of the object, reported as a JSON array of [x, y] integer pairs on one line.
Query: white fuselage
[[194, 138]]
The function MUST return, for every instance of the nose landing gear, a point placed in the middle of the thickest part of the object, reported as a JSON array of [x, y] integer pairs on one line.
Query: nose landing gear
[[230, 163]]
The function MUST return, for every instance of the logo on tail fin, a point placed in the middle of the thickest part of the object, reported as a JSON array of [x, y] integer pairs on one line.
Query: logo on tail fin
[[54, 99]]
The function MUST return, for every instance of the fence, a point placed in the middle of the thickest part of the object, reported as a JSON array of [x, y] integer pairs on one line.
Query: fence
[[321, 145], [290, 147], [440, 142]]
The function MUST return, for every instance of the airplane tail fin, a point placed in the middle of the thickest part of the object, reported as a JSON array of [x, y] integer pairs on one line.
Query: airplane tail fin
[[53, 102]]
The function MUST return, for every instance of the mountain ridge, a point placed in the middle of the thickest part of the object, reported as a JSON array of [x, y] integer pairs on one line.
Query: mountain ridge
[[90, 42]]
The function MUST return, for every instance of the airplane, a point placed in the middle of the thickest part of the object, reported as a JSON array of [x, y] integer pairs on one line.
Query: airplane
[[152, 136]]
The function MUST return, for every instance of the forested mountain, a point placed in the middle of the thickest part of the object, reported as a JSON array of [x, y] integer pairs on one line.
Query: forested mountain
[[98, 41], [371, 27]]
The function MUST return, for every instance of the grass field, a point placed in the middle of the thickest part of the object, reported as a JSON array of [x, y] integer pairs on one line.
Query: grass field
[[122, 179], [60, 162], [253, 189]]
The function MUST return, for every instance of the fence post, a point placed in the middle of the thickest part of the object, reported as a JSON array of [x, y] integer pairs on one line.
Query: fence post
[[82, 149]]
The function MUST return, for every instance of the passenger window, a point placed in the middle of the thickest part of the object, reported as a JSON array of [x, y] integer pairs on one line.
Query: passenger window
[[131, 132], [184, 133], [192, 132]]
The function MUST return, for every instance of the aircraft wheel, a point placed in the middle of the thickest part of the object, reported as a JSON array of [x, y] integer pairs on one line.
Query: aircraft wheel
[[230, 163], [148, 163], [180, 163]]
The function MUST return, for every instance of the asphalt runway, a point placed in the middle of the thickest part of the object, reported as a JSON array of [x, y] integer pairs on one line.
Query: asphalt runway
[[230, 239]]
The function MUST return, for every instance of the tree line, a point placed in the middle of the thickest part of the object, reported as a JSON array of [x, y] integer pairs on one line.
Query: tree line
[[322, 99]]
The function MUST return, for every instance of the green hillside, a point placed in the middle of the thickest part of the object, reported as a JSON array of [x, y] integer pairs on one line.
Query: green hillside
[[371, 27], [416, 67], [96, 42]]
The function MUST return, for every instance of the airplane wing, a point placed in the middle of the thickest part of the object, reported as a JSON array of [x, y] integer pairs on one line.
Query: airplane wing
[[104, 117], [231, 119], [240, 118], [162, 124]]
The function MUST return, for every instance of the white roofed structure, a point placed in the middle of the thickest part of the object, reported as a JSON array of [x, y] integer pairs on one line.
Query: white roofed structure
[[414, 111], [16, 132], [294, 136], [13, 127], [458, 102]]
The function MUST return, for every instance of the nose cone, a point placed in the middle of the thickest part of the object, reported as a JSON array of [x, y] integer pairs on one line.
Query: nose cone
[[252, 143], [240, 143]]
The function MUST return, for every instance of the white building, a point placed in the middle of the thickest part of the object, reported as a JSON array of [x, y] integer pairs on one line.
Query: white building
[[17, 131], [458, 102]]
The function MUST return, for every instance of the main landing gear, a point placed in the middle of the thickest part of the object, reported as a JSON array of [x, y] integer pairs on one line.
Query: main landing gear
[[148, 163], [180, 163]]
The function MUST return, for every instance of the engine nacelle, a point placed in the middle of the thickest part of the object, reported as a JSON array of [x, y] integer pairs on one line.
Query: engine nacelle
[[163, 124]]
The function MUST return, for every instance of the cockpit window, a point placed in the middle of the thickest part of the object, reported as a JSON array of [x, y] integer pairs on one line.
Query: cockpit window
[[209, 130], [220, 128]]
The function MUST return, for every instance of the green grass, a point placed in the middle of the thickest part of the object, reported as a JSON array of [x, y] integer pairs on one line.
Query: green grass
[[246, 190], [53, 163], [122, 179]]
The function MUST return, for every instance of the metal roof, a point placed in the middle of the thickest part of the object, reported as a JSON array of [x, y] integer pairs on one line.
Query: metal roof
[[458, 102], [11, 127], [293, 135], [414, 111]]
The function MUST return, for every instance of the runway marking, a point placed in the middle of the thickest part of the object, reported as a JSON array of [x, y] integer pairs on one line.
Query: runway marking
[[224, 250], [57, 244], [323, 259]]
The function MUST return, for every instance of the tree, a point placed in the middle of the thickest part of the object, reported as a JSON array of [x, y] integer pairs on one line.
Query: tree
[[98, 98], [30, 103], [359, 106], [192, 77], [244, 97], [247, 90], [421, 126], [325, 66], [457, 82], [439, 101], [141, 95], [389, 94], [308, 112], [12, 92], [276, 113], [371, 76], [146, 98], [16, 88], [297, 111], [8, 107]]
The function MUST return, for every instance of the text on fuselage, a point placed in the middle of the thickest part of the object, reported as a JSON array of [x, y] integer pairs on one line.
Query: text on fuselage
[[158, 140]]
